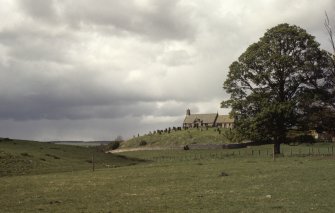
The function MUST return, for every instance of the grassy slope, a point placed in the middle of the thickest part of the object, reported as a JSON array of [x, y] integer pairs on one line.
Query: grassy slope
[[183, 181], [179, 138], [27, 157]]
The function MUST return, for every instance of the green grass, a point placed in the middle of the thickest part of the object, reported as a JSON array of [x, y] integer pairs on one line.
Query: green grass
[[185, 181], [180, 138], [28, 157]]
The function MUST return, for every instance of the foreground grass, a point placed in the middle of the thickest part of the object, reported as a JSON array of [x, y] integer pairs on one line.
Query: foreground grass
[[176, 183]]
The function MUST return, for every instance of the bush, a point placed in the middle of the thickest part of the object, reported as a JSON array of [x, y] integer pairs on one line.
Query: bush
[[232, 135], [6, 139], [110, 146], [113, 145], [186, 147], [304, 139], [25, 154], [53, 156], [143, 143]]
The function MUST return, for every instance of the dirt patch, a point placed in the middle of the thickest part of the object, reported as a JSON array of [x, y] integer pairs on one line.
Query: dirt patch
[[142, 149]]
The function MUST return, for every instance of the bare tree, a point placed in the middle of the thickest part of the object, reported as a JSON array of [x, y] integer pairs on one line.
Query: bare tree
[[330, 32], [329, 109]]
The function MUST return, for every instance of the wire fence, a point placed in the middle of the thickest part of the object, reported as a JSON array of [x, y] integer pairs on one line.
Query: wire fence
[[195, 155]]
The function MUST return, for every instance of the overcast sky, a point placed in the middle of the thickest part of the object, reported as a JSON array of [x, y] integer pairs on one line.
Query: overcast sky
[[92, 70]]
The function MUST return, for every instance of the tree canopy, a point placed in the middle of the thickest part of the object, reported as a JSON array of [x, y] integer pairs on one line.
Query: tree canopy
[[271, 82]]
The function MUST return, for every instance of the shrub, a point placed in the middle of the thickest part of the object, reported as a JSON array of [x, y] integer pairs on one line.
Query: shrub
[[143, 143], [304, 139], [25, 154], [110, 146], [223, 174], [232, 135], [6, 139], [113, 145], [53, 156]]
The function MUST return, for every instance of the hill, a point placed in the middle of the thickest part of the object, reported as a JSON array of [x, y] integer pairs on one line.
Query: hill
[[178, 138], [18, 157]]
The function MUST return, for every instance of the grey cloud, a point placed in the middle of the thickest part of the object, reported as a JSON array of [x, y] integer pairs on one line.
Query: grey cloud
[[176, 58], [40, 9], [28, 94], [32, 43], [93, 70], [159, 20]]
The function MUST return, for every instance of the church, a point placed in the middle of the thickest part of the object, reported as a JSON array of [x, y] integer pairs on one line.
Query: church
[[207, 120]]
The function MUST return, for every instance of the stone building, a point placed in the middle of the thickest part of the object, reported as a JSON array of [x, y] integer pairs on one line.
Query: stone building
[[207, 120]]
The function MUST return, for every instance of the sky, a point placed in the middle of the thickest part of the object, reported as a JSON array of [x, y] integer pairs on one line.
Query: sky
[[94, 70]]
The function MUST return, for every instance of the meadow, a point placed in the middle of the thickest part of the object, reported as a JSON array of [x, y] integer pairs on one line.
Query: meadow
[[241, 180], [18, 157]]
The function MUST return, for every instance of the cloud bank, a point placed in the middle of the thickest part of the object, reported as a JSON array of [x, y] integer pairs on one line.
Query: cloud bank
[[84, 70]]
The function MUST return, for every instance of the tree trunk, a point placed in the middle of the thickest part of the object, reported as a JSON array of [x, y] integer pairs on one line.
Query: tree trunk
[[276, 147], [281, 135]]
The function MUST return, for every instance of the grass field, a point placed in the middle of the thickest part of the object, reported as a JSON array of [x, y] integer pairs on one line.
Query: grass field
[[183, 137], [185, 181], [28, 157]]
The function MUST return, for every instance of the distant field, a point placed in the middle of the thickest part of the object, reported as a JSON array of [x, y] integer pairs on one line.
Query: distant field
[[243, 180]]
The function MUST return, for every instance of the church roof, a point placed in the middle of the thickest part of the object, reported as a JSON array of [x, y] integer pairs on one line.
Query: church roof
[[205, 118], [224, 119]]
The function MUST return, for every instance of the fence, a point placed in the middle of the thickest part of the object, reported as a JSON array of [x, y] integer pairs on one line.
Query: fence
[[195, 155]]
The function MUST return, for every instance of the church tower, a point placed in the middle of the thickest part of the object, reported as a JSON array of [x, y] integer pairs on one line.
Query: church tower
[[188, 112]]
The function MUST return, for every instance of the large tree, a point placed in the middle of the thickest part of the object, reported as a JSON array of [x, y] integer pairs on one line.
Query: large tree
[[271, 81]]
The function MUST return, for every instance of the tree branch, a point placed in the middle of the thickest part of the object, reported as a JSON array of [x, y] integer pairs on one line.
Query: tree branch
[[330, 32]]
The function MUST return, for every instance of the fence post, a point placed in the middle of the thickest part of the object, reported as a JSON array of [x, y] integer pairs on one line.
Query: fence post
[[273, 154], [93, 166], [332, 150], [259, 152], [252, 152]]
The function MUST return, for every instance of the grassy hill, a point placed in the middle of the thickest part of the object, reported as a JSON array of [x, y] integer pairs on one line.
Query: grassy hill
[[183, 137], [18, 157]]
